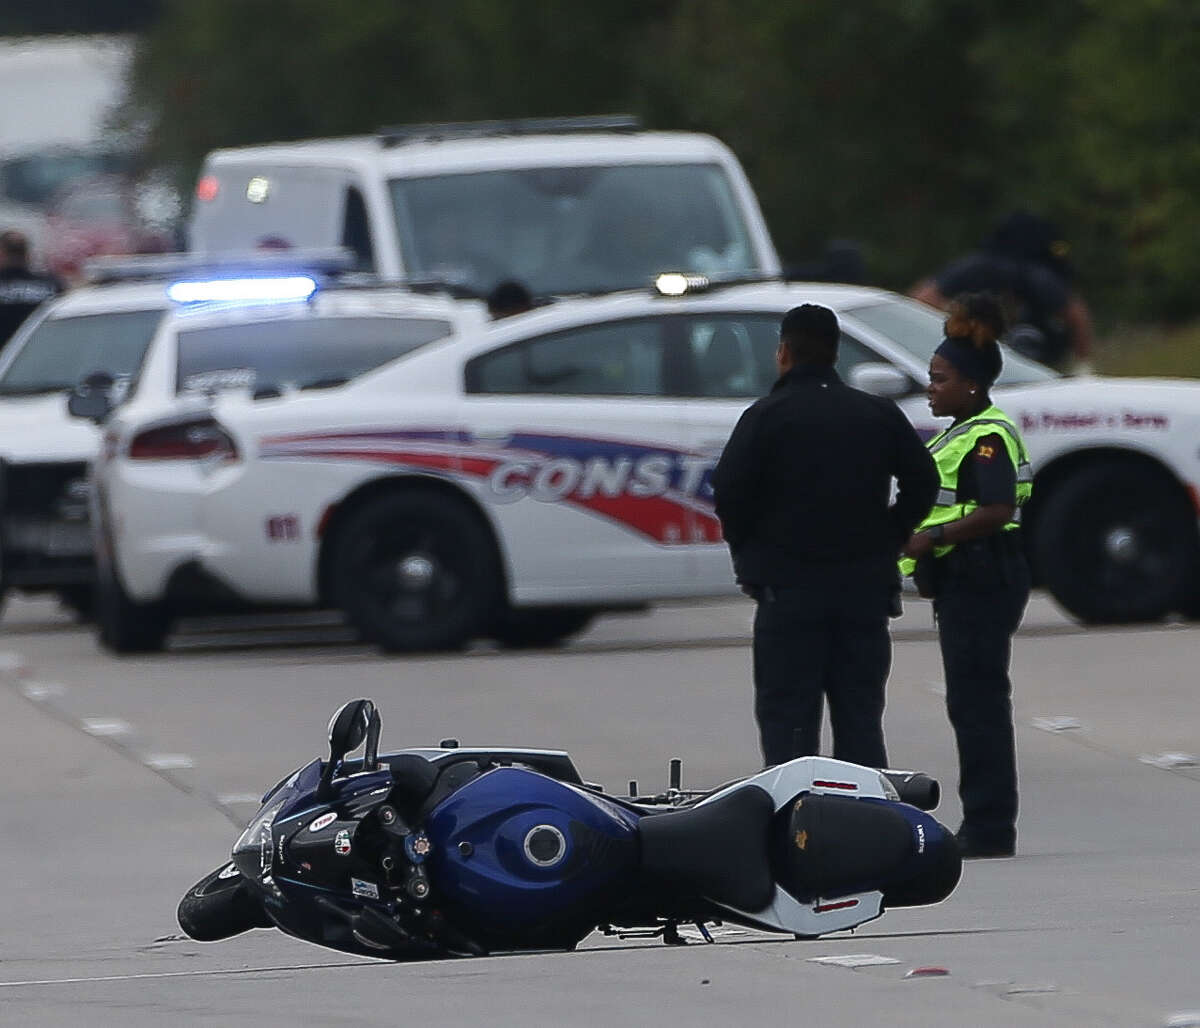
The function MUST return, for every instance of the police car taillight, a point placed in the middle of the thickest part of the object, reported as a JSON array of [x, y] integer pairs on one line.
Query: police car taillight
[[238, 290], [202, 439], [207, 188]]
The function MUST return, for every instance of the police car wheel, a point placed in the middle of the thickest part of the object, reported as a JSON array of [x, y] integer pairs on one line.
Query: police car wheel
[[416, 570], [1113, 544], [529, 627], [219, 907], [125, 626], [79, 600]]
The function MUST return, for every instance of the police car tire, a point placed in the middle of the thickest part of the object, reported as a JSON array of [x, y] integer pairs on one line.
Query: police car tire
[[528, 628], [218, 908], [125, 626], [463, 554], [1070, 553]]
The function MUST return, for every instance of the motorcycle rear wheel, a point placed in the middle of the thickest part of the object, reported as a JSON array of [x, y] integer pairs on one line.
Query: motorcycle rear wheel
[[218, 908]]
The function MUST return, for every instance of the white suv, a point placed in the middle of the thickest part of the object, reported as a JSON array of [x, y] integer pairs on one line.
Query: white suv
[[581, 205]]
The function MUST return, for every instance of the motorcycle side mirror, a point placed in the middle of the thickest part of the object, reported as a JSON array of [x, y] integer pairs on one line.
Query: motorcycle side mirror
[[348, 729], [92, 398]]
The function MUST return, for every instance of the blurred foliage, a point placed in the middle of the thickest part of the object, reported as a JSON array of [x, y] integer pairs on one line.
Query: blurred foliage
[[36, 17], [910, 126]]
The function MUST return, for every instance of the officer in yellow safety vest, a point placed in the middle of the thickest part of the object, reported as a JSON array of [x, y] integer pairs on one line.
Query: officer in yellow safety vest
[[968, 557]]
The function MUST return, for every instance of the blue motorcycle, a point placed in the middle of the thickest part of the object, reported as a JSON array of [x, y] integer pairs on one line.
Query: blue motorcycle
[[454, 851]]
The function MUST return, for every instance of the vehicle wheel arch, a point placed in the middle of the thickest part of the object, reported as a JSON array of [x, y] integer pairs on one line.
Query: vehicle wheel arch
[[1050, 477], [367, 492]]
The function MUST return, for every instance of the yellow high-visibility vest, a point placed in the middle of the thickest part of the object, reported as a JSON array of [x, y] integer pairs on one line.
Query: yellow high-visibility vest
[[948, 449]]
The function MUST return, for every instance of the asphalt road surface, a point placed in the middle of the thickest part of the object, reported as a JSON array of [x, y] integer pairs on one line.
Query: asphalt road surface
[[126, 778]]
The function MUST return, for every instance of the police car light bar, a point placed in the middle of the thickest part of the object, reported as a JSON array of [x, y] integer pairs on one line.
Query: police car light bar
[[674, 283], [334, 260], [233, 290]]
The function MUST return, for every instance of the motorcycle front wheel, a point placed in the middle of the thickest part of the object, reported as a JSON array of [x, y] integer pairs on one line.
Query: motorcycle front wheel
[[220, 906]]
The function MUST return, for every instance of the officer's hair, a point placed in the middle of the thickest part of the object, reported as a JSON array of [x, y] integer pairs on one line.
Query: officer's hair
[[810, 332], [977, 317]]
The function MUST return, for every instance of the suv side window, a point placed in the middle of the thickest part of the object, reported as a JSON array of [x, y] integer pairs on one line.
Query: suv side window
[[620, 358]]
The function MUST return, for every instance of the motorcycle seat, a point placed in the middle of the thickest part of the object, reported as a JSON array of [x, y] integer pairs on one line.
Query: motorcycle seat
[[718, 849]]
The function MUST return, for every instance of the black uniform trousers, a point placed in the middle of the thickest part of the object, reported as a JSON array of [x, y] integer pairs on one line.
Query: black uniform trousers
[[803, 655], [980, 600]]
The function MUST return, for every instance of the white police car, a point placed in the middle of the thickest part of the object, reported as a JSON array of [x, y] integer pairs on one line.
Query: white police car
[[45, 542], [109, 334], [519, 477]]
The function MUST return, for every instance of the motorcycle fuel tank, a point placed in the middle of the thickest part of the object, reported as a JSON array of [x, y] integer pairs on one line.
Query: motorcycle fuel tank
[[524, 848]]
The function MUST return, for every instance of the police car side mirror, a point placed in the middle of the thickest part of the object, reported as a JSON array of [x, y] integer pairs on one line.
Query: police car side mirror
[[92, 398], [881, 379]]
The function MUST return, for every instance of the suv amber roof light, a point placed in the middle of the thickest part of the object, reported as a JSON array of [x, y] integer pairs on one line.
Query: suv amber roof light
[[674, 283]]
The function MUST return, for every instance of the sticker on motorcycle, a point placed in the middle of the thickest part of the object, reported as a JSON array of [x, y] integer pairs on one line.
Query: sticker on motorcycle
[[323, 821], [341, 843], [368, 890]]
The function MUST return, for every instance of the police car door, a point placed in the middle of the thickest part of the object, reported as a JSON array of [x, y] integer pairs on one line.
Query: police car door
[[732, 358], [578, 436]]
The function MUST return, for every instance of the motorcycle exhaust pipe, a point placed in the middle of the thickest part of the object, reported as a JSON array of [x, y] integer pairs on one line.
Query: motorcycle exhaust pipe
[[915, 788]]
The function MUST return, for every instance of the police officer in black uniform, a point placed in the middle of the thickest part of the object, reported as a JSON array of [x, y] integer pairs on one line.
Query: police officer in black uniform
[[21, 290], [969, 557], [802, 491]]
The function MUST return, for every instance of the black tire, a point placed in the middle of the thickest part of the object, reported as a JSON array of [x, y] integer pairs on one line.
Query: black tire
[[1114, 544], [218, 908], [416, 570], [125, 626], [530, 627]]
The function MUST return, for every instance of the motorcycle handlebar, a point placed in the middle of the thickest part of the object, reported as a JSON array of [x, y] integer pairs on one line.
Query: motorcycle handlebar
[[915, 788]]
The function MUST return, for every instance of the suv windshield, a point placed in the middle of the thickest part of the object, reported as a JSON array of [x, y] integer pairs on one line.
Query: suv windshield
[[918, 329], [313, 353], [60, 352], [571, 230]]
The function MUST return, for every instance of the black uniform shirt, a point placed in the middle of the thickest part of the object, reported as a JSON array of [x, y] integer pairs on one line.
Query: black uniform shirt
[[986, 474], [803, 486], [21, 292]]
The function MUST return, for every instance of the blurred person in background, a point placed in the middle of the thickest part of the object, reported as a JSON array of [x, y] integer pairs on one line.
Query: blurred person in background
[[802, 491], [21, 289], [508, 298], [1023, 263], [967, 555]]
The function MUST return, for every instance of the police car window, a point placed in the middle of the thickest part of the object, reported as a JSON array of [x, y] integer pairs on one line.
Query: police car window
[[297, 353], [624, 358], [733, 355], [918, 330], [852, 353], [61, 352]]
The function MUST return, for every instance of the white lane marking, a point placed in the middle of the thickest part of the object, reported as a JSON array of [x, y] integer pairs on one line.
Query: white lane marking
[[1060, 723], [169, 761], [854, 960], [365, 962], [105, 727], [38, 691], [1185, 1019], [10, 661], [1167, 761]]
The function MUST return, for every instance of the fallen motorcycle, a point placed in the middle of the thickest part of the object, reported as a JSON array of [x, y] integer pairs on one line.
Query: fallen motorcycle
[[446, 851]]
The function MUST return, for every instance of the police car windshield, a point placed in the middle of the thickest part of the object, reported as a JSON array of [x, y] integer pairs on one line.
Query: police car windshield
[[297, 353], [571, 230], [918, 329], [60, 352]]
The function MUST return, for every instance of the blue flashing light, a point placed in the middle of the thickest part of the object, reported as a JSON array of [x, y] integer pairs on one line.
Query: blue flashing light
[[233, 290]]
